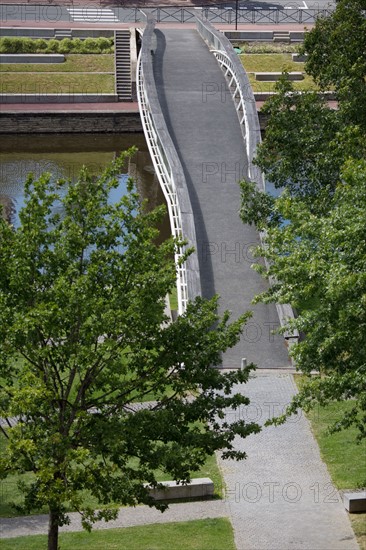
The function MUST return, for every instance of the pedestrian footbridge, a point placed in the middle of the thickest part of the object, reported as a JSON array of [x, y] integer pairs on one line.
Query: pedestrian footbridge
[[201, 125]]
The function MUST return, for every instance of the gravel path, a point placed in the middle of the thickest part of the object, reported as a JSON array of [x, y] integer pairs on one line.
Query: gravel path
[[128, 517]]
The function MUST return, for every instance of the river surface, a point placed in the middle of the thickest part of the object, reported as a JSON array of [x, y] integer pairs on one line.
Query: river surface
[[63, 156]]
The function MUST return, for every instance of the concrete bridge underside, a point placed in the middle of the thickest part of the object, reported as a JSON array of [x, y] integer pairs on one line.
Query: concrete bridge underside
[[203, 124]]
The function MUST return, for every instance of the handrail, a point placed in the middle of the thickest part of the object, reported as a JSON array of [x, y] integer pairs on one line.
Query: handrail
[[241, 91], [169, 172], [243, 97]]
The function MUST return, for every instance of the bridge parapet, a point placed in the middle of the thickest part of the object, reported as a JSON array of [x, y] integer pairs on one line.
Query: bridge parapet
[[169, 171]]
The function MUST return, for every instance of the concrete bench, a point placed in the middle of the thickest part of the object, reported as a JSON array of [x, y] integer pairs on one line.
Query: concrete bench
[[297, 58], [272, 77], [32, 58], [355, 502], [200, 487]]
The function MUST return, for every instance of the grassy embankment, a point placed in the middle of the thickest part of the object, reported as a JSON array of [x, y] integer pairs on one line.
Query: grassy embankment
[[344, 457], [80, 73], [273, 62], [206, 534]]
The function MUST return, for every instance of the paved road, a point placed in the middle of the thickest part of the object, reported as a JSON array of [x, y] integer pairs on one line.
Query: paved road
[[128, 517]]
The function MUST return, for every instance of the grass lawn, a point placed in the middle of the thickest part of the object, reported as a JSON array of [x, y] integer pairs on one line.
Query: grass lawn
[[173, 299], [53, 78], [344, 458], [256, 63], [56, 83], [10, 493], [206, 534], [83, 63], [259, 63]]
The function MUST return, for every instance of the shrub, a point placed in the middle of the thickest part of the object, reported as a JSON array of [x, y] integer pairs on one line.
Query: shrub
[[6, 45], [105, 45], [65, 45], [41, 45], [28, 45], [11, 45], [267, 47], [53, 46], [76, 45], [90, 46]]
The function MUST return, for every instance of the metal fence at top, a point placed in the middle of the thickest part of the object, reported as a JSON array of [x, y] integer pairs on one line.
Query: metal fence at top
[[52, 13], [230, 16]]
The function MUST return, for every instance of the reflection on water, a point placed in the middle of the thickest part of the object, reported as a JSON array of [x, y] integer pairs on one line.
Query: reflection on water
[[63, 156]]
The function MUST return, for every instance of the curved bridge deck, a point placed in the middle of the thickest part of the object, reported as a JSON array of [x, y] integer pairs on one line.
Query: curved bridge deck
[[203, 124]]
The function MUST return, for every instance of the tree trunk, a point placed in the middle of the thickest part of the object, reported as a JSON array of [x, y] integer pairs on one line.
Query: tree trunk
[[53, 530]]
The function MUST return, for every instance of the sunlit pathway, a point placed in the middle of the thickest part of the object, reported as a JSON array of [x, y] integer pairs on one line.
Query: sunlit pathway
[[128, 517], [281, 497]]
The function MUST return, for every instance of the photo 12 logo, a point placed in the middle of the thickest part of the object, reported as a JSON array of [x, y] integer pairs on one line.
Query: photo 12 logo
[[273, 492]]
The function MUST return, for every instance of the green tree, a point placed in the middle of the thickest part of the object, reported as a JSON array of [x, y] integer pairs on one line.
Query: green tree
[[315, 232], [307, 142], [83, 337], [296, 153], [319, 265], [336, 47]]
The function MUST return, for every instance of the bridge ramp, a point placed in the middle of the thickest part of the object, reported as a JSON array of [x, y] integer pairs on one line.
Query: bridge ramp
[[204, 127]]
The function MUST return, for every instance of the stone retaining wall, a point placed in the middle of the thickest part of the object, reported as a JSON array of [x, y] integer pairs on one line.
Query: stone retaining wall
[[68, 123], [32, 58], [57, 98]]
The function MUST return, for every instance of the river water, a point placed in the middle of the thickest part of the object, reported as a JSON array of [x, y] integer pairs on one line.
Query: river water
[[63, 156]]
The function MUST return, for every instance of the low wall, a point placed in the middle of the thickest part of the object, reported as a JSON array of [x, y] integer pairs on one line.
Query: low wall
[[50, 33], [57, 98], [273, 77], [32, 58], [197, 488], [261, 36], [69, 122]]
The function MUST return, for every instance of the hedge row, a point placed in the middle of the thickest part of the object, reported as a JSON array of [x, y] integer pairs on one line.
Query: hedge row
[[67, 45], [267, 47]]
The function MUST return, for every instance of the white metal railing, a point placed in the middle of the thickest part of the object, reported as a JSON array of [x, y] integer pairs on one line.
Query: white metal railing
[[241, 92], [165, 176], [237, 94]]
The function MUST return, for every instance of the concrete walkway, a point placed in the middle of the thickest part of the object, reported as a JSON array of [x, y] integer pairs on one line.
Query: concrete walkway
[[128, 517], [281, 497]]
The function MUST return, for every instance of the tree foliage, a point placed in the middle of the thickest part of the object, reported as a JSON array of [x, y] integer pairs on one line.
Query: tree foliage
[[300, 151], [307, 140], [319, 263], [315, 231], [84, 337], [336, 48]]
